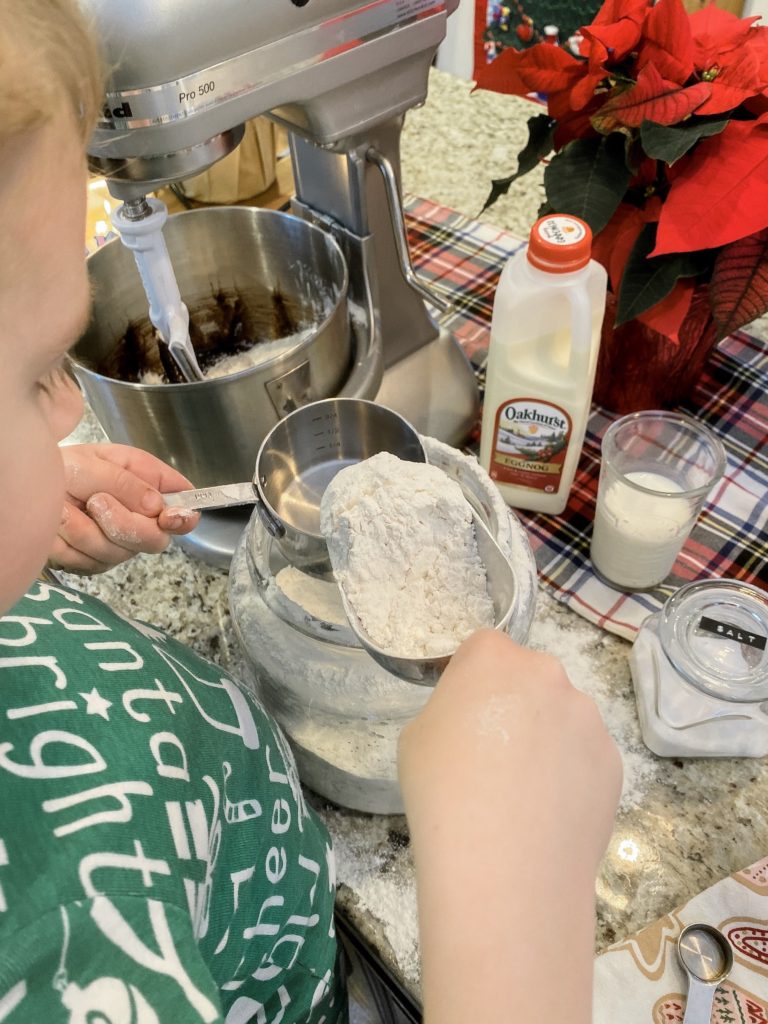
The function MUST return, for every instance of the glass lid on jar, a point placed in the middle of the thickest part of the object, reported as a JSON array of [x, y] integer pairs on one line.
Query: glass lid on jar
[[715, 633]]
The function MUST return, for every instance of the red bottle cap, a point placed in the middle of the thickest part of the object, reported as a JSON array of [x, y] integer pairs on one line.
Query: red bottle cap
[[560, 243]]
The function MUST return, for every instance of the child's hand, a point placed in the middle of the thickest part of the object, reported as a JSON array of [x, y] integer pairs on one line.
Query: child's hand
[[114, 507], [506, 722], [510, 783]]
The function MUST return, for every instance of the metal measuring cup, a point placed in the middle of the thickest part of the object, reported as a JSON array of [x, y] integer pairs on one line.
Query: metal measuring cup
[[298, 459], [501, 589], [707, 959]]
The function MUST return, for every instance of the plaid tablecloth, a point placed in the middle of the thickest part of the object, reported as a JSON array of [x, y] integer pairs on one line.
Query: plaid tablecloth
[[462, 258]]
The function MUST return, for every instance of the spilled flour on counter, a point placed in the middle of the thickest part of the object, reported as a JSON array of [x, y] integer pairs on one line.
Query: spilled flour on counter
[[596, 663], [402, 545]]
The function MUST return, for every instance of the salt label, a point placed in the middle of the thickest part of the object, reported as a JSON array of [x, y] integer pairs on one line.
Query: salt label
[[731, 632]]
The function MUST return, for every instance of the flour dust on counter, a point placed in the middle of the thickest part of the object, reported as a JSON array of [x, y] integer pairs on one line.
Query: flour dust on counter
[[597, 665], [373, 860]]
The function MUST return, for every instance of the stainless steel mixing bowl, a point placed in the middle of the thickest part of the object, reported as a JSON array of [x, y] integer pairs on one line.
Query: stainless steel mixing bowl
[[211, 430]]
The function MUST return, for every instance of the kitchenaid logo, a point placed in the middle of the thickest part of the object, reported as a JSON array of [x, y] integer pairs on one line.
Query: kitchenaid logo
[[542, 414], [124, 111]]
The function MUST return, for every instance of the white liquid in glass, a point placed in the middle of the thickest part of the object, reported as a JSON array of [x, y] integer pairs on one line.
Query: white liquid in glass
[[637, 536]]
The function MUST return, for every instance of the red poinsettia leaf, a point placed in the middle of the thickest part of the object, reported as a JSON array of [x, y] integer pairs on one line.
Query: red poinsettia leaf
[[716, 32], [571, 124], [655, 99], [667, 41], [739, 78], [613, 33], [757, 105], [542, 68], [757, 44], [653, 209], [738, 292], [584, 90], [723, 99], [668, 316], [719, 193], [611, 42], [645, 173], [615, 242], [613, 10]]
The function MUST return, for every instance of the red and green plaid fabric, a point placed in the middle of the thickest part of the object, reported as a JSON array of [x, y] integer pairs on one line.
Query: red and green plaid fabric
[[462, 259]]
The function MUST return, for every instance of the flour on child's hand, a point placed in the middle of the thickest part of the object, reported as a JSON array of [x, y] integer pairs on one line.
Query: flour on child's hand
[[493, 717]]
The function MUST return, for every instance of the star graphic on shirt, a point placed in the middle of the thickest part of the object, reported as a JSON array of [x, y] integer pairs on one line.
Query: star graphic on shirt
[[96, 704]]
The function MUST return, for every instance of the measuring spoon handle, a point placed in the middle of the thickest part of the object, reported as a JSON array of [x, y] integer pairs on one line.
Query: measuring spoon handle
[[698, 1007], [204, 498]]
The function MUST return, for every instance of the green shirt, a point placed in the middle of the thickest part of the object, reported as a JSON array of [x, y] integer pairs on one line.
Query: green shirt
[[157, 860]]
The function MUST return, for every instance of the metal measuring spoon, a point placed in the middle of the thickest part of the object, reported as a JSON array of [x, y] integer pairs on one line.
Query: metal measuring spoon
[[426, 671], [707, 959]]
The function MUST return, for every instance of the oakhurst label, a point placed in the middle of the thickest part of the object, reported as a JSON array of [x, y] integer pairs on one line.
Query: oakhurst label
[[530, 440]]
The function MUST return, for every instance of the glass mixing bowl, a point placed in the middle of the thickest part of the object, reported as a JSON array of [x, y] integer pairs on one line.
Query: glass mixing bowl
[[341, 712]]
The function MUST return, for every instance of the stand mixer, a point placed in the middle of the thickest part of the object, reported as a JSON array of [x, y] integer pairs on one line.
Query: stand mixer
[[339, 76]]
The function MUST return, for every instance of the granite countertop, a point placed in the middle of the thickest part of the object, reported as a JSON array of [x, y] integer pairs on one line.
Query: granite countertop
[[682, 824]]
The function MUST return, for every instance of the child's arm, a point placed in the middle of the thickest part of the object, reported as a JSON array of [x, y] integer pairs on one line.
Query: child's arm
[[510, 784], [113, 507]]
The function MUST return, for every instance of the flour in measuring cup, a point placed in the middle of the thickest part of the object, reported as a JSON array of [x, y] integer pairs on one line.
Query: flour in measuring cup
[[402, 545]]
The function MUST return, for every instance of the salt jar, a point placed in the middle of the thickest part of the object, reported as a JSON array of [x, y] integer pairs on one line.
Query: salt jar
[[700, 672], [341, 712]]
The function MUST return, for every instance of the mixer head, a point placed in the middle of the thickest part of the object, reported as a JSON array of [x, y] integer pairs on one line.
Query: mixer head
[[188, 73]]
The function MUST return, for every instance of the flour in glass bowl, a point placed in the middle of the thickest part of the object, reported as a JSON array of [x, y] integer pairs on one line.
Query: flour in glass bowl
[[402, 545]]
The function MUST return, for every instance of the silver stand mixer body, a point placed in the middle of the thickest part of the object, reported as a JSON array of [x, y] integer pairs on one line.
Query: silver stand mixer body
[[339, 76]]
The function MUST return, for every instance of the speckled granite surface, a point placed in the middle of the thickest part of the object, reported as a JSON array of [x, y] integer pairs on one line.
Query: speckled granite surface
[[682, 824]]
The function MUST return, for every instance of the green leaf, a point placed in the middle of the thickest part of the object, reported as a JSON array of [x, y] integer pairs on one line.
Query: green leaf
[[670, 142], [588, 178], [541, 128], [647, 281], [544, 210]]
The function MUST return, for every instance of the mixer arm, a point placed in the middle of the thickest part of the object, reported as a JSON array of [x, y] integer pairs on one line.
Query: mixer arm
[[398, 230]]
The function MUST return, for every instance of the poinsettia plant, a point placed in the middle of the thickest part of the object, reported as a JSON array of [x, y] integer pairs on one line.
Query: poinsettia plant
[[659, 131]]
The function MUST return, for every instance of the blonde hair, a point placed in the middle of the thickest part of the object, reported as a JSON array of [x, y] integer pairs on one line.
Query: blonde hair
[[49, 66]]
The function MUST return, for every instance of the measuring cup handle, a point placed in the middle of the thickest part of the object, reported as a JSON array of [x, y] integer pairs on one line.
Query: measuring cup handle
[[271, 525], [698, 1006]]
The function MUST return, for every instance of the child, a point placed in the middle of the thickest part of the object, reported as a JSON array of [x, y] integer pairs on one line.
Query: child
[[157, 859]]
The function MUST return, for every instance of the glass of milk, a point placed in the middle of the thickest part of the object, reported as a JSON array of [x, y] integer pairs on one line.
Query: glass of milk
[[657, 470]]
